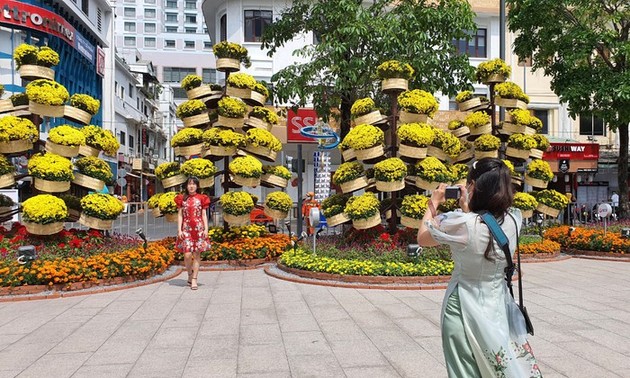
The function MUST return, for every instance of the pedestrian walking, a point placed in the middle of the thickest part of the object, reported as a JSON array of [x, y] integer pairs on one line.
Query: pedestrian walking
[[192, 228], [483, 329]]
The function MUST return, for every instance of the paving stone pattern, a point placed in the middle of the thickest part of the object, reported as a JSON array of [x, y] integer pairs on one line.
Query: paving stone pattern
[[247, 324]]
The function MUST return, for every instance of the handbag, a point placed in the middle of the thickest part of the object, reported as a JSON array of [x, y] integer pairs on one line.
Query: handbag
[[503, 242]]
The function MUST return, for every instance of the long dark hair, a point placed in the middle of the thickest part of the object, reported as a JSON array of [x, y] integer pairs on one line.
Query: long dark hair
[[196, 181], [493, 191]]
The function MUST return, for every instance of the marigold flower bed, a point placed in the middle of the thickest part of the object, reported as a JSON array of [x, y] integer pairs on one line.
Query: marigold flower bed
[[588, 239], [542, 249]]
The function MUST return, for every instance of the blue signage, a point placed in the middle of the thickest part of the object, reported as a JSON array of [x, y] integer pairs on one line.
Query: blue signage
[[84, 47]]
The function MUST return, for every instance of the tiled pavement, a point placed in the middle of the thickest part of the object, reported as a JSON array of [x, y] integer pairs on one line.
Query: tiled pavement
[[248, 324]]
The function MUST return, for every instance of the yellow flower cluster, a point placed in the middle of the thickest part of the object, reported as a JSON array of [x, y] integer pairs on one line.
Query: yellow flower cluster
[[190, 108], [347, 172], [44, 209], [414, 206], [246, 166], [510, 167], [539, 169], [542, 143], [390, 170], [241, 80], [362, 106], [47, 57], [25, 54], [221, 137], [477, 119], [225, 49], [187, 137], [455, 124], [334, 204], [492, 67], [464, 96], [279, 201], [419, 102], [525, 118], [487, 142], [236, 203], [217, 234], [394, 69], [415, 134], [200, 168], [5, 166], [265, 114], [433, 170], [263, 138], [47, 92], [51, 167], [16, 128], [261, 88], [511, 90], [95, 167], [166, 170], [459, 171], [524, 201], [190, 82], [101, 139], [101, 206], [154, 201], [277, 170], [85, 102], [365, 136], [447, 142], [521, 142], [552, 198], [232, 107], [362, 207], [166, 203], [66, 135]]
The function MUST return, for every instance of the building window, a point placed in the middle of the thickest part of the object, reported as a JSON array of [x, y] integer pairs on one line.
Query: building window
[[85, 6], [255, 23], [223, 28], [169, 43], [149, 28], [179, 93], [130, 90], [130, 41], [543, 116], [149, 1], [475, 47], [190, 5], [176, 74], [191, 19], [149, 13], [591, 125], [171, 29], [130, 141], [207, 45], [149, 42], [99, 19], [205, 30], [189, 44], [209, 75], [171, 17], [171, 4], [122, 92], [190, 30], [130, 12], [122, 138], [130, 27]]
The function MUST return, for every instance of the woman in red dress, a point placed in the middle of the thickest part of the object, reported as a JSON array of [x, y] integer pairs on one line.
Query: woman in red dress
[[192, 228]]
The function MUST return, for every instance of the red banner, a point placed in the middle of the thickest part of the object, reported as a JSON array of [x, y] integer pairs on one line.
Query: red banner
[[295, 122], [573, 151], [32, 17]]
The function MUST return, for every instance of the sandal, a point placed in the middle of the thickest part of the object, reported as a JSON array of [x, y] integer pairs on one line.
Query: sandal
[[193, 286]]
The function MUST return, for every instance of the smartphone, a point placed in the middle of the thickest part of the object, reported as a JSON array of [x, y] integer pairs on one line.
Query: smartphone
[[453, 192]]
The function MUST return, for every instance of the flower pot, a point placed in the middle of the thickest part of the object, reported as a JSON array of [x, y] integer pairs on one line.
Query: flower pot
[[15, 146], [353, 185], [494, 78], [363, 224], [6, 106], [426, 185], [88, 182], [236, 219], [197, 120], [348, 155], [542, 208], [536, 183], [85, 150], [510, 103], [156, 212], [220, 151], [256, 98], [394, 186], [412, 152], [484, 129], [257, 123], [465, 156], [262, 152], [486, 154], [275, 214], [336, 220], [469, 104], [228, 64], [243, 93], [55, 111], [407, 117], [174, 181], [195, 149], [232, 123], [410, 222], [394, 85], [206, 182], [76, 115], [511, 128], [17, 111], [201, 91], [7, 179], [517, 154], [51, 186], [370, 118], [461, 132], [370, 153], [274, 180], [535, 153], [527, 213], [43, 229], [171, 217], [92, 222], [251, 182], [34, 72], [61, 150], [437, 153]]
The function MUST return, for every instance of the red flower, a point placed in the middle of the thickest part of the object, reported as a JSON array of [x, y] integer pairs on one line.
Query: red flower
[[61, 245], [65, 233], [76, 243], [4, 251], [385, 236], [95, 233]]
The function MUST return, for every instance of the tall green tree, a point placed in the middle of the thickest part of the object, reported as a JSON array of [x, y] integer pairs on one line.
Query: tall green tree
[[584, 46], [355, 37]]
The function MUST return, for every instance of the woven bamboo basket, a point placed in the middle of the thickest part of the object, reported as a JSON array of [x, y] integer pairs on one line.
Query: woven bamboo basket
[[527, 213], [86, 150], [15, 146], [426, 185], [156, 212], [385, 186], [220, 151], [77, 115], [257, 123], [410, 222], [174, 181], [494, 78], [197, 120], [394, 85], [548, 210], [407, 117], [51, 186], [206, 182], [6, 106], [228, 64], [370, 153], [510, 103], [88, 182], [485, 129], [55, 111], [61, 150], [251, 182], [461, 132], [465, 156], [7, 179], [437, 153], [411, 180], [363, 224], [517, 154], [232, 123], [412, 152], [34, 72], [274, 180], [200, 91], [469, 104], [370, 118], [18, 111], [236, 219], [262, 152], [257, 98], [98, 224], [273, 213], [171, 217], [243, 93], [486, 154], [508, 128], [338, 219], [536, 183], [195, 149], [348, 155], [535, 153], [517, 181], [43, 229], [353, 185]]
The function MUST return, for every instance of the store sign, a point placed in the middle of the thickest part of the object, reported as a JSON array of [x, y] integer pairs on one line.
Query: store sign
[[85, 48], [563, 165], [572, 151], [296, 121], [100, 61], [32, 17]]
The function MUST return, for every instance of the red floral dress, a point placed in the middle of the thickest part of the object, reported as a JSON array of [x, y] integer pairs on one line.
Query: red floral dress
[[193, 239]]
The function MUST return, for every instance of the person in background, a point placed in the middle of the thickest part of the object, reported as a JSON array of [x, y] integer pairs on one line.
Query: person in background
[[307, 205], [614, 199]]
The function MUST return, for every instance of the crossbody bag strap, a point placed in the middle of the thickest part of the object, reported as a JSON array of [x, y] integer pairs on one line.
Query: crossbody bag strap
[[518, 265], [504, 243]]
